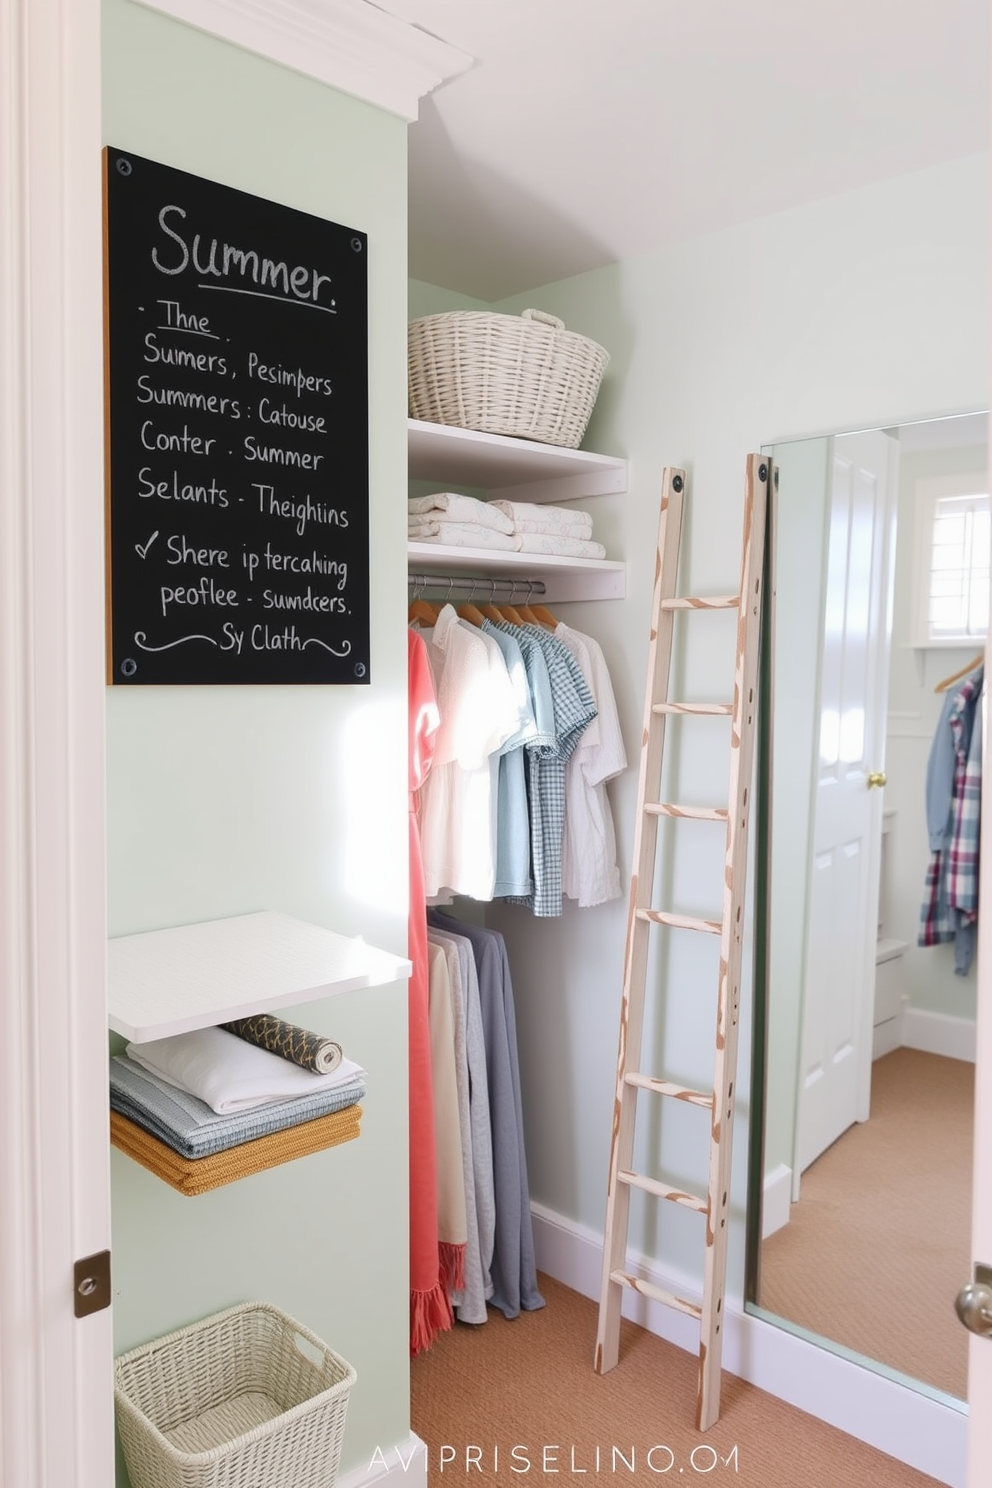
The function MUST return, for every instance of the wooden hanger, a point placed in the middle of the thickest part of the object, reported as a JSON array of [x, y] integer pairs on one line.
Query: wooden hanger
[[957, 676], [468, 612], [545, 617], [491, 612], [421, 612]]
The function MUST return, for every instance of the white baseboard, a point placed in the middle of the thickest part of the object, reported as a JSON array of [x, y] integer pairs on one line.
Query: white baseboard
[[939, 1033], [388, 1467], [776, 1200], [921, 1429]]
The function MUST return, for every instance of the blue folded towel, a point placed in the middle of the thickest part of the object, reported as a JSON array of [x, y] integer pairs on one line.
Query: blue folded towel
[[188, 1125]]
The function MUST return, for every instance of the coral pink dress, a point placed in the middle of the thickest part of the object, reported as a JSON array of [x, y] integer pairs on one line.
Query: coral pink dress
[[430, 1309]]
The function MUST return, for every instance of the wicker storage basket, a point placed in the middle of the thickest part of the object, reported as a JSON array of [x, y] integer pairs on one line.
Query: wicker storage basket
[[248, 1398], [523, 375]]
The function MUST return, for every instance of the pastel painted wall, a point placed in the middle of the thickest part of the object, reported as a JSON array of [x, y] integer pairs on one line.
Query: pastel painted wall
[[223, 800], [861, 310]]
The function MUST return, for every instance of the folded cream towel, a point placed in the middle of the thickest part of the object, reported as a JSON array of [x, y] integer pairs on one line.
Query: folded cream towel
[[561, 519], [581, 530], [460, 535], [454, 508], [228, 1073], [561, 547]]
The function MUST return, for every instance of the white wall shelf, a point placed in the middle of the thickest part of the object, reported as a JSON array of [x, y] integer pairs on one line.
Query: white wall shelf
[[164, 982], [514, 470], [510, 469]]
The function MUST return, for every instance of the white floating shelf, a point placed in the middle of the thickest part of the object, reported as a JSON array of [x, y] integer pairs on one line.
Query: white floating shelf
[[564, 579], [164, 982], [510, 469]]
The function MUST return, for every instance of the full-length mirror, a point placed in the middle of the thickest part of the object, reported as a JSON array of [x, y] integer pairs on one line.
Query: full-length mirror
[[860, 1212]]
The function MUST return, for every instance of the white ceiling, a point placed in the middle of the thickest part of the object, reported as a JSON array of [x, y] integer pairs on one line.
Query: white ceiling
[[589, 131]]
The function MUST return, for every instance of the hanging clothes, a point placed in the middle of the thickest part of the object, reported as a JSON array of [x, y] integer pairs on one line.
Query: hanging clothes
[[430, 1310], [513, 874], [590, 873], [452, 1218], [479, 712], [476, 1288], [574, 709], [953, 794], [514, 1268]]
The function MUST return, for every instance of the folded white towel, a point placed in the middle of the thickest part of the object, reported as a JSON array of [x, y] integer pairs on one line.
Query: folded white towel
[[461, 535], [581, 530], [561, 547], [455, 508], [230, 1074], [563, 519]]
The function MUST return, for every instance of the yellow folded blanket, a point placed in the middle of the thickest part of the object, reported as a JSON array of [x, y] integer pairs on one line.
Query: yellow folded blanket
[[193, 1176]]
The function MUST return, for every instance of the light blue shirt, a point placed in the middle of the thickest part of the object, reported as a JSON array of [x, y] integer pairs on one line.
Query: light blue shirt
[[513, 875]]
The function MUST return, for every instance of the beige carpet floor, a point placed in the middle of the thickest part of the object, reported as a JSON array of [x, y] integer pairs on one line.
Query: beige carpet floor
[[529, 1384], [879, 1244]]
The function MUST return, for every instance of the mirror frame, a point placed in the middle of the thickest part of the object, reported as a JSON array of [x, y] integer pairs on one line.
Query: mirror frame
[[761, 835]]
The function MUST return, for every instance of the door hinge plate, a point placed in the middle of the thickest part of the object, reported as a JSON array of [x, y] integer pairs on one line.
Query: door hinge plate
[[91, 1284]]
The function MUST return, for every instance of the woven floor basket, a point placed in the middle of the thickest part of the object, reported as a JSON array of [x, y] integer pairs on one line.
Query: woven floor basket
[[248, 1398], [523, 375]]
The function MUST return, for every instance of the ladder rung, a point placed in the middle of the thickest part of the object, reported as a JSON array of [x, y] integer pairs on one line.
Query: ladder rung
[[663, 1190], [666, 1087], [657, 1294], [680, 922], [703, 602], [719, 710], [688, 813]]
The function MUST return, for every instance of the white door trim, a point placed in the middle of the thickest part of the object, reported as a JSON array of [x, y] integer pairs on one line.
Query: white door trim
[[56, 1401]]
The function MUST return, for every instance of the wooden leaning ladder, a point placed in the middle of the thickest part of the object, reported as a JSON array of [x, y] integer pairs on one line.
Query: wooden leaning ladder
[[642, 916]]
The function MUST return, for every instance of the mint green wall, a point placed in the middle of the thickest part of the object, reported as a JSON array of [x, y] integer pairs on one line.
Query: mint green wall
[[429, 299], [225, 800], [861, 310]]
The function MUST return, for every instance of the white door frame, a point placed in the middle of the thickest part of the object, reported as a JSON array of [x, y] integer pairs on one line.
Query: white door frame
[[56, 1400], [980, 1349]]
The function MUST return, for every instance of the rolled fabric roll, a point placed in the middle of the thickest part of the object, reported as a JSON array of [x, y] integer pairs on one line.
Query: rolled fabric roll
[[311, 1051]]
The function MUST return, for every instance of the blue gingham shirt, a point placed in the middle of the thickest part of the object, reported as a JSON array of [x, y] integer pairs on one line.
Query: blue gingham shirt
[[574, 709]]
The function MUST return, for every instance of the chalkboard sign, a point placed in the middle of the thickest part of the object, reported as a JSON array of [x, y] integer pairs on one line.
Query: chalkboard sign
[[238, 532]]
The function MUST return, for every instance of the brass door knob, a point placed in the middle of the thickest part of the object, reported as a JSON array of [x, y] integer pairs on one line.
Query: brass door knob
[[877, 777]]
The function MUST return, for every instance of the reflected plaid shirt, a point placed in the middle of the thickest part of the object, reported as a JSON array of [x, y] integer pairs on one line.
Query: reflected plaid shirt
[[951, 890]]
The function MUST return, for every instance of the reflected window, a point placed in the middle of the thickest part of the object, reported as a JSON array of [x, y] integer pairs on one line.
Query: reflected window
[[954, 539]]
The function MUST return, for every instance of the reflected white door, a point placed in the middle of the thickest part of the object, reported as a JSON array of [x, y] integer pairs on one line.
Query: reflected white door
[[835, 1066]]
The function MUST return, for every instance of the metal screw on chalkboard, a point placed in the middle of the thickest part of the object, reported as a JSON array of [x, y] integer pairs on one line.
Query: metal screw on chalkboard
[[124, 166], [356, 244], [128, 667], [359, 669]]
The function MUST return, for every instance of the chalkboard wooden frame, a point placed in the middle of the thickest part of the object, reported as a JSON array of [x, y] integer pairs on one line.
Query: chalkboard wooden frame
[[236, 379]]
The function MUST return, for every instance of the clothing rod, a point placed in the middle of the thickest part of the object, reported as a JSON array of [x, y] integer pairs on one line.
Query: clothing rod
[[479, 582]]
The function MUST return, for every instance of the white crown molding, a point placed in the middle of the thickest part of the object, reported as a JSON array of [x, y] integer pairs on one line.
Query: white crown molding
[[350, 44]]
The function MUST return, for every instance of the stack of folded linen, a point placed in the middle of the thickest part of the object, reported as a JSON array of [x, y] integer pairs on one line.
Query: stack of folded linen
[[455, 521], [557, 530], [200, 1094]]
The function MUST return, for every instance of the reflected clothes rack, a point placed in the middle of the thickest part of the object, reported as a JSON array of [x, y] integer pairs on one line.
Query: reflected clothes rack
[[949, 911]]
